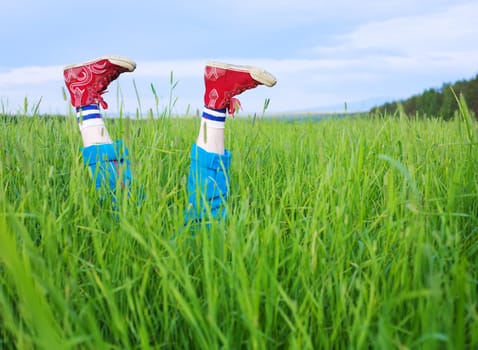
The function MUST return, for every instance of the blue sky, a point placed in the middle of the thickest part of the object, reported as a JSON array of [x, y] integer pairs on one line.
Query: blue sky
[[323, 53]]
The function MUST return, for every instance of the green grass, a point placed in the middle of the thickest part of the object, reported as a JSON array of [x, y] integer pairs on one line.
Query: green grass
[[355, 233]]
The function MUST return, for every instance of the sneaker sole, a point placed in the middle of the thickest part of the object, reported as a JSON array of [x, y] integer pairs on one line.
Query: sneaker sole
[[260, 75], [124, 62]]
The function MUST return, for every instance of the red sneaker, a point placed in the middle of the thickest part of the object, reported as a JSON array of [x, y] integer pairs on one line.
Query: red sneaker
[[87, 81], [224, 81]]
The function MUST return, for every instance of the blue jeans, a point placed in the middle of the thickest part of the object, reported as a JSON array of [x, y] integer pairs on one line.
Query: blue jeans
[[108, 163], [208, 181], [208, 185]]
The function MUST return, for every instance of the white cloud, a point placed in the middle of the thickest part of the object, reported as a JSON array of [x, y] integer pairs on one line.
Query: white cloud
[[308, 84], [430, 34], [30, 75]]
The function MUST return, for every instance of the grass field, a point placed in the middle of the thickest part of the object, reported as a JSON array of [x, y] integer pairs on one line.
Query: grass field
[[342, 234]]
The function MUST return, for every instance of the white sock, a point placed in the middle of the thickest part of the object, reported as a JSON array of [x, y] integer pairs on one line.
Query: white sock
[[211, 132], [92, 126]]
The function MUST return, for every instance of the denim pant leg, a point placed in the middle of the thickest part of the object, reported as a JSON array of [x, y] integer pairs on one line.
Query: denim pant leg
[[208, 185], [108, 163]]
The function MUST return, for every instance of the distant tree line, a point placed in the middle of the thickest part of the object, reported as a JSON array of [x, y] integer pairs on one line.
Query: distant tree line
[[439, 103]]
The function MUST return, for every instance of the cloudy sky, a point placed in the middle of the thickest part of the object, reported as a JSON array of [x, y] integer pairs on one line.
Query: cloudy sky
[[324, 54]]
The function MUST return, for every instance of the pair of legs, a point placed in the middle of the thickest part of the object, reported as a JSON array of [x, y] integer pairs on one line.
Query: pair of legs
[[208, 181]]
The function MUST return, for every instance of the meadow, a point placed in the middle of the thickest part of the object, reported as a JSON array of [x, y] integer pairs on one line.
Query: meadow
[[355, 233]]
